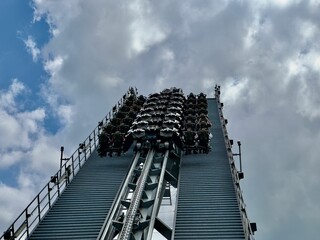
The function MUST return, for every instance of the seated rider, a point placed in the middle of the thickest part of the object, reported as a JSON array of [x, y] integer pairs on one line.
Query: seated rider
[[117, 139], [189, 137], [201, 125], [116, 143], [203, 140], [104, 140], [110, 128], [202, 111], [124, 128], [203, 119]]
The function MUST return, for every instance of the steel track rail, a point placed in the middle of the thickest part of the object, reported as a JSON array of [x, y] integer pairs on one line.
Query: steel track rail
[[129, 218], [108, 222], [158, 196]]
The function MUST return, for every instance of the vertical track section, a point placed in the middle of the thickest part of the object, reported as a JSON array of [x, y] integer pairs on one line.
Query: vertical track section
[[158, 196], [134, 212], [108, 221], [207, 205], [135, 202]]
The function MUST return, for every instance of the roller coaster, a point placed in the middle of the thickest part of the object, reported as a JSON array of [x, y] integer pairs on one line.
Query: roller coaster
[[113, 185]]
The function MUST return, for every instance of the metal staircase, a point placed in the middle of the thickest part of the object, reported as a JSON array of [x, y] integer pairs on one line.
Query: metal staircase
[[81, 210], [207, 206]]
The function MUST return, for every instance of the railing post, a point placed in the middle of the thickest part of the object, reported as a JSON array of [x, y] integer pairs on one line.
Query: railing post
[[79, 152], [90, 140], [66, 172], [39, 211], [49, 195], [12, 229], [72, 164], [61, 157], [27, 222], [94, 138], [239, 144], [58, 185]]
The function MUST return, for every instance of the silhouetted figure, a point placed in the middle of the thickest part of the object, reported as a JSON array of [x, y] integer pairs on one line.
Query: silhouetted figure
[[189, 137], [104, 141], [203, 122], [124, 128], [203, 140], [110, 128], [116, 143]]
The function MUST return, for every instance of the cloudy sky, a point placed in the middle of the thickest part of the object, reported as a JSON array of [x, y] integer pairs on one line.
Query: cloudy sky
[[64, 64]]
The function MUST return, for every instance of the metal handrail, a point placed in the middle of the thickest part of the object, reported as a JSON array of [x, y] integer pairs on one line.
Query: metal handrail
[[245, 219], [26, 222]]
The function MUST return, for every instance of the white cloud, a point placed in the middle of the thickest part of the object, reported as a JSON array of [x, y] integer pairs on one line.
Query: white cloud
[[44, 159], [16, 125], [53, 66], [55, 16], [9, 127], [7, 98], [308, 30], [235, 91], [106, 81], [10, 158], [145, 30], [32, 48], [26, 148], [314, 3], [281, 4], [11, 202], [309, 100], [167, 55], [65, 114], [30, 119], [284, 3], [18, 132]]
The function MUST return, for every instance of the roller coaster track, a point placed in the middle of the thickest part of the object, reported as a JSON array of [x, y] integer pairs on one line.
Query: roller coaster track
[[120, 197], [146, 188]]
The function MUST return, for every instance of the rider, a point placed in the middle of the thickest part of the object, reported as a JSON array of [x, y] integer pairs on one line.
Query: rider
[[104, 140], [116, 143], [203, 136], [189, 137]]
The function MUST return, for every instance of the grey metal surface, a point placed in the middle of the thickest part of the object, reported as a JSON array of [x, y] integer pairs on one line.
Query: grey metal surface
[[136, 198], [207, 206], [81, 210]]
